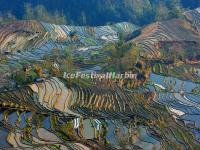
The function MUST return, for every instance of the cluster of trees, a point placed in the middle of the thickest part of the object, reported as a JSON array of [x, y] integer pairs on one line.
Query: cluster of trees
[[6, 17], [170, 9], [25, 76], [122, 57], [40, 13], [147, 11], [98, 12]]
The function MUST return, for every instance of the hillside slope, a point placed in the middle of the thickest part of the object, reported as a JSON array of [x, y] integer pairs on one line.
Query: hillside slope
[[24, 42], [21, 35], [26, 35], [194, 17], [173, 31]]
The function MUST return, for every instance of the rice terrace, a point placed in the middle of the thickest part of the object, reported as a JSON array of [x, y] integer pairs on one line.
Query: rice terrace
[[100, 75]]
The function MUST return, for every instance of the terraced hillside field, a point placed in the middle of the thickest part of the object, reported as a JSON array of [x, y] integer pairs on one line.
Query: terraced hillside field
[[26, 35], [175, 30], [86, 34], [194, 17], [42, 110], [21, 35], [53, 98], [23, 42]]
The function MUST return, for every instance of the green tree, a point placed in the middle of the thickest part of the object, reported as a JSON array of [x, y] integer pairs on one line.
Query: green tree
[[162, 12], [175, 8], [41, 14], [29, 12], [67, 61], [59, 18], [83, 18]]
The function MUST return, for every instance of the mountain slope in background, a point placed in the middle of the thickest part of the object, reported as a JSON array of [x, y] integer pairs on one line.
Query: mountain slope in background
[[156, 35], [97, 12]]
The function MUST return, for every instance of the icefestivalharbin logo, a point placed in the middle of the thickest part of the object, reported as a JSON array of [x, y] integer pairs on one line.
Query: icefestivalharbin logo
[[95, 75]]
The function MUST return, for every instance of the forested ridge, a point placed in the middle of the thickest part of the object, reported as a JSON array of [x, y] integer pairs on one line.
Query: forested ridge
[[94, 12]]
